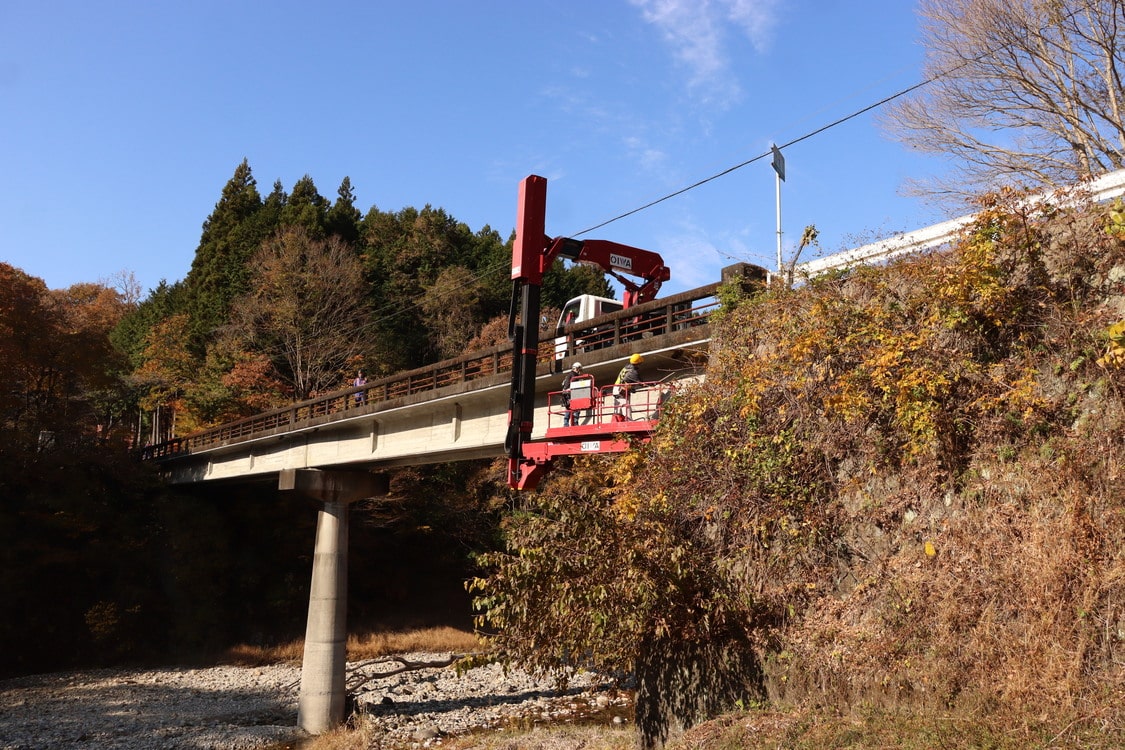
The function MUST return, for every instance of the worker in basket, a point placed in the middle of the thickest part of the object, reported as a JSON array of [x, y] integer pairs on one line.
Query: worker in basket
[[627, 379], [576, 387]]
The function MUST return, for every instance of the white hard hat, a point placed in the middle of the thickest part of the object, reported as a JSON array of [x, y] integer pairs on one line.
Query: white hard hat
[[576, 366]]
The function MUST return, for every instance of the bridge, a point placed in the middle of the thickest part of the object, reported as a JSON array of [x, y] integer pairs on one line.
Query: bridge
[[457, 409]]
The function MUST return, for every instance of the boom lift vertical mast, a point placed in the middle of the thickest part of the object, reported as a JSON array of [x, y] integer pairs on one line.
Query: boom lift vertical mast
[[523, 317], [533, 252]]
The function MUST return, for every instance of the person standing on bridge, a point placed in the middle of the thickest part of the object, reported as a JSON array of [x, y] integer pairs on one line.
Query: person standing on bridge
[[359, 382], [623, 387]]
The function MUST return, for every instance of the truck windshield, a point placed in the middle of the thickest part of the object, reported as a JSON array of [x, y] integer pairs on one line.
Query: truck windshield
[[584, 308], [570, 313]]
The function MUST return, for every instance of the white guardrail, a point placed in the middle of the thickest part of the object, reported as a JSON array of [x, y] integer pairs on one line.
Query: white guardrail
[[1106, 187]]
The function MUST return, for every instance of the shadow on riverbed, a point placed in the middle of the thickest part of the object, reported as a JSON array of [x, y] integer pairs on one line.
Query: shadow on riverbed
[[600, 703]]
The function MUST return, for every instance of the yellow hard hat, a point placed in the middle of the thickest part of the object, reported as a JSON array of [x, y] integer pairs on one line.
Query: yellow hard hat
[[636, 359]]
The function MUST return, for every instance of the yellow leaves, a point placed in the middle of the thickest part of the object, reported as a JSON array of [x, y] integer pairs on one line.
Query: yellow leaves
[[628, 504], [624, 468], [1113, 358], [848, 399], [751, 405], [1012, 393], [696, 408], [1114, 355], [885, 363], [929, 549], [1115, 226]]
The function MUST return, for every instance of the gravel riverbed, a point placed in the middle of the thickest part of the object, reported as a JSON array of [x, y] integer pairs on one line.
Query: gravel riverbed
[[242, 708]]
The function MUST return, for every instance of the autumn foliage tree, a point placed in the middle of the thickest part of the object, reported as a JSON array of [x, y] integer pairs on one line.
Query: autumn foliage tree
[[66, 479], [62, 372], [30, 328], [89, 313], [167, 371], [306, 310]]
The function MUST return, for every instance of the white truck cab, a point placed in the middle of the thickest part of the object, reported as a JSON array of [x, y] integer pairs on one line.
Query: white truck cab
[[580, 309]]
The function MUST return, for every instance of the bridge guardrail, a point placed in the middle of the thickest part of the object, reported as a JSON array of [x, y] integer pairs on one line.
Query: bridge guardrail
[[655, 318]]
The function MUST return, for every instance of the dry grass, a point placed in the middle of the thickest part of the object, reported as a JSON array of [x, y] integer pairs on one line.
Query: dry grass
[[431, 640], [903, 729], [366, 646], [359, 737]]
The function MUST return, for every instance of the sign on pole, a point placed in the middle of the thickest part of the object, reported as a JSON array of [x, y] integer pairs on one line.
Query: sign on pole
[[778, 163], [779, 168]]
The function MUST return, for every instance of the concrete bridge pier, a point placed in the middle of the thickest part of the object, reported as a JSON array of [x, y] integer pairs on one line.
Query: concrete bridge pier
[[321, 703]]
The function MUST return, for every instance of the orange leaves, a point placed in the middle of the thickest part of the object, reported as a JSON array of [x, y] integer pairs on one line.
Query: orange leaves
[[168, 367]]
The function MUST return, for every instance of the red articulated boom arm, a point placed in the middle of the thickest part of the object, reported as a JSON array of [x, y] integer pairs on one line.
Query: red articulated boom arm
[[533, 252], [616, 259]]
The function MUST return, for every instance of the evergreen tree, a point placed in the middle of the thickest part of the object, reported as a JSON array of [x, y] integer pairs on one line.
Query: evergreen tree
[[492, 263], [307, 208], [219, 272], [403, 255], [343, 218], [273, 205]]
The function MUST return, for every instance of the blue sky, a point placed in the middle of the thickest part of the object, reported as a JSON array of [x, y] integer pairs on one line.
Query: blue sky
[[120, 122]]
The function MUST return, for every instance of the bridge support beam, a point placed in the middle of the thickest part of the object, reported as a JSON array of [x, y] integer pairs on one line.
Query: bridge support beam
[[321, 703]]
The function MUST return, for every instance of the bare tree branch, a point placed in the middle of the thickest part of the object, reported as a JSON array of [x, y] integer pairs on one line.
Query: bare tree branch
[[357, 677], [1025, 92]]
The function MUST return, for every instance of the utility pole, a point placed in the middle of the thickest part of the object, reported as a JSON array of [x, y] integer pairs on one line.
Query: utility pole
[[779, 171]]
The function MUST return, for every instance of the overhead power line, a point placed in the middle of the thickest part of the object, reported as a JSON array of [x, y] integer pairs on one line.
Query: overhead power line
[[760, 156]]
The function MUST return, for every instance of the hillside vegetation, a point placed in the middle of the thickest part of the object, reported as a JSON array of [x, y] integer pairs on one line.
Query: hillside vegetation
[[899, 489]]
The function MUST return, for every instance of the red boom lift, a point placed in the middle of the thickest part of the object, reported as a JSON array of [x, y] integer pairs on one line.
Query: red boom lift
[[532, 254]]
